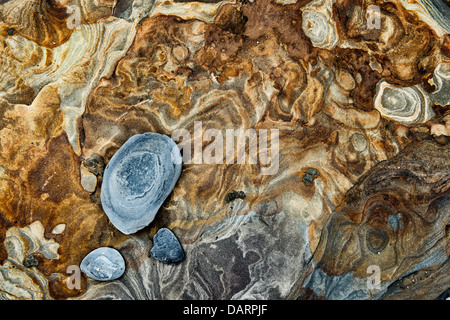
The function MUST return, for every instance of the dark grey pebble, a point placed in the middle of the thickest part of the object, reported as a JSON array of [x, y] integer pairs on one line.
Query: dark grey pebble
[[234, 195], [166, 247], [95, 164], [30, 261], [309, 176], [138, 179], [103, 264]]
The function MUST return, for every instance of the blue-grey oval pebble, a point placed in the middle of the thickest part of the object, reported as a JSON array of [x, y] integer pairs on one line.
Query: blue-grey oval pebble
[[137, 180], [166, 247], [103, 264]]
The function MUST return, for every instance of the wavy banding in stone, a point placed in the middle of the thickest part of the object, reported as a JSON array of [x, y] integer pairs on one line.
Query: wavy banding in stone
[[135, 67], [318, 24], [377, 226], [441, 79], [17, 281], [407, 105], [436, 13]]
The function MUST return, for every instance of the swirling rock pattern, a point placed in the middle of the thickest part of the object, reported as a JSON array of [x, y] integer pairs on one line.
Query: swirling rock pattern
[[363, 119], [318, 24], [374, 224], [404, 105], [27, 249], [441, 81], [137, 180]]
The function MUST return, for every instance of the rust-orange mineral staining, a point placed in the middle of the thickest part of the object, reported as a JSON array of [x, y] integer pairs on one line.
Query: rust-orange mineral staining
[[314, 138]]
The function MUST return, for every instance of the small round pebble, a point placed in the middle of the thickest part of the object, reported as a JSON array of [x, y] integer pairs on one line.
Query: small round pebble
[[103, 264], [166, 247], [89, 182]]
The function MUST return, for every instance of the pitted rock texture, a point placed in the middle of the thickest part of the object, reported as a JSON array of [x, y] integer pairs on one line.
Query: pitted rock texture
[[363, 124]]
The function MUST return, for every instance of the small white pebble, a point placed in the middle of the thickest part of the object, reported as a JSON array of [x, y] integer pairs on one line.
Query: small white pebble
[[58, 229], [89, 182]]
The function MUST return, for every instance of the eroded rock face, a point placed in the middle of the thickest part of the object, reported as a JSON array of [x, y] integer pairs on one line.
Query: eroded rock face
[[374, 226], [137, 180], [363, 121]]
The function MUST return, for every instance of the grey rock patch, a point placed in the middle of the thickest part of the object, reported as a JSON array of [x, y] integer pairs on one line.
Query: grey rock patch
[[246, 257], [344, 287], [103, 264]]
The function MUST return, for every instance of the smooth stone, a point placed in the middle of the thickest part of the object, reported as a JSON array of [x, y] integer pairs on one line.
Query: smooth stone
[[58, 229], [88, 179], [89, 182], [166, 247], [103, 264], [138, 179]]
